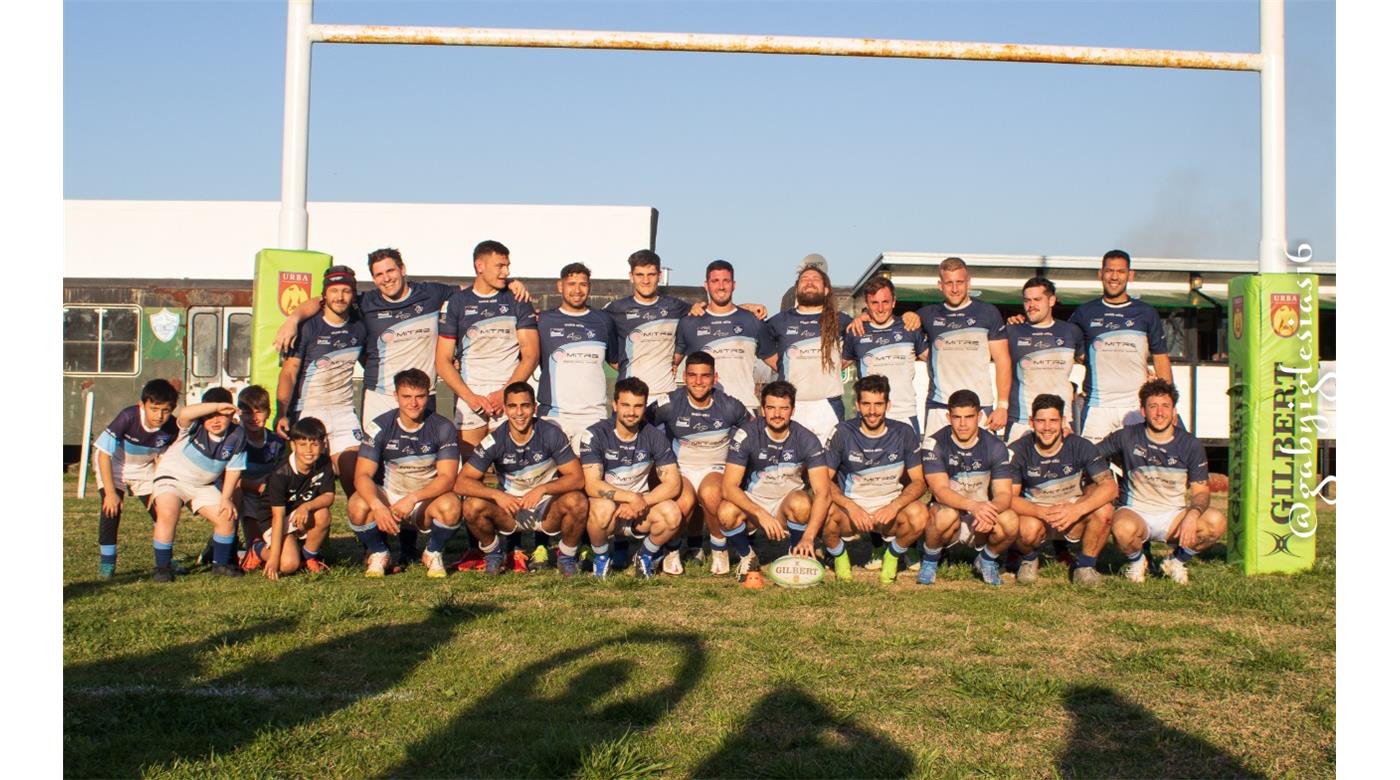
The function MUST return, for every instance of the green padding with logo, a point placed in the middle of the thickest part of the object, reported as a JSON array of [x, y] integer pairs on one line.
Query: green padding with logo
[[282, 280], [1273, 422]]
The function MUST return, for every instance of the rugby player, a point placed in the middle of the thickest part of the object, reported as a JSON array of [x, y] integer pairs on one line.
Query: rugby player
[[1124, 338], [878, 478], [1043, 350], [1049, 471], [125, 456], [969, 473], [644, 325], [200, 469], [884, 345], [541, 485], [620, 457], [404, 476], [700, 421], [1165, 491], [575, 342], [299, 493], [770, 464], [805, 349], [316, 377], [963, 335], [734, 334], [264, 451], [494, 339]]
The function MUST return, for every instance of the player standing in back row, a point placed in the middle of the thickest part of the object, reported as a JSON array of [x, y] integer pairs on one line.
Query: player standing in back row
[[964, 335], [1124, 338], [805, 350], [733, 334], [644, 326], [576, 341], [1043, 350]]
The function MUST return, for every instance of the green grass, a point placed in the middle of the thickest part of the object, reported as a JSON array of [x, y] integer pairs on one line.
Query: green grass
[[535, 676]]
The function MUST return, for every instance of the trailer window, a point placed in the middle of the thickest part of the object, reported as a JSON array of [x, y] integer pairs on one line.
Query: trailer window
[[238, 347], [204, 344], [101, 339], [1174, 330]]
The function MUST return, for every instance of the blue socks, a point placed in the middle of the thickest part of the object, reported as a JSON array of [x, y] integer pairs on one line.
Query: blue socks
[[439, 536], [1083, 561], [739, 538], [895, 549], [164, 552], [1135, 557], [371, 537], [108, 553], [931, 555], [795, 532], [983, 556], [836, 551], [1182, 554], [223, 549]]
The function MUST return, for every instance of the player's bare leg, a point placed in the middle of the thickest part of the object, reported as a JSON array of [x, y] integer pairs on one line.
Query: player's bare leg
[[1210, 527], [441, 519], [1129, 532], [733, 525], [941, 531], [900, 534]]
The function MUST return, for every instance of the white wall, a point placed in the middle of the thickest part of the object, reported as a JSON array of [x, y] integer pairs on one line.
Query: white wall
[[218, 239]]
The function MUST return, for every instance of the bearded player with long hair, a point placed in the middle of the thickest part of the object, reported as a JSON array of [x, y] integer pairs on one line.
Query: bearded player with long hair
[[806, 344]]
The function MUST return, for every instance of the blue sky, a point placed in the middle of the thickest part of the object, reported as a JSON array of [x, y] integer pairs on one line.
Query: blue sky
[[757, 159]]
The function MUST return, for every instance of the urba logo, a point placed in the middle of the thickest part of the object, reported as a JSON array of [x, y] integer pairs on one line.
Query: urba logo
[[293, 289], [1237, 316], [1283, 313]]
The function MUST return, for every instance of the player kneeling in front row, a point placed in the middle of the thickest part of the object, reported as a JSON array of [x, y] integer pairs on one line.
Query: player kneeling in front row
[[200, 469], [969, 473], [414, 452], [769, 463], [619, 457], [299, 495], [879, 480], [1165, 487], [1050, 470], [541, 484]]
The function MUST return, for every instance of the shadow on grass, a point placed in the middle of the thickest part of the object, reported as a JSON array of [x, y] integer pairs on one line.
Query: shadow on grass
[[1113, 737], [791, 734], [546, 719], [135, 713]]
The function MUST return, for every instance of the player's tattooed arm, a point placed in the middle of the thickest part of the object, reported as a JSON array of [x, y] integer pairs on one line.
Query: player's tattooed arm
[[669, 487], [1200, 497]]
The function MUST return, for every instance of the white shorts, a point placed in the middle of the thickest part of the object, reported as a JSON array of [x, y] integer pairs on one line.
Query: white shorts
[[416, 516], [138, 488], [343, 430], [197, 496], [696, 474], [770, 505], [292, 533], [1100, 421], [375, 404], [965, 533], [818, 417], [533, 519], [468, 419], [573, 426], [1159, 522]]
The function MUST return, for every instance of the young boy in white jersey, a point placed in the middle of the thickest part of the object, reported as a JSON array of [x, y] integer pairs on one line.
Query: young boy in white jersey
[[126, 453]]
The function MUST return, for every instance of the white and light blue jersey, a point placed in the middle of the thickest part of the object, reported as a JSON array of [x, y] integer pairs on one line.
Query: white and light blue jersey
[[699, 436], [871, 471], [1121, 340], [970, 471], [735, 340], [960, 348], [1054, 479], [574, 348], [483, 330], [626, 462], [1041, 359], [772, 469], [890, 350], [402, 334], [133, 447], [797, 340], [328, 354], [199, 458], [523, 467], [646, 338], [408, 458], [1156, 477]]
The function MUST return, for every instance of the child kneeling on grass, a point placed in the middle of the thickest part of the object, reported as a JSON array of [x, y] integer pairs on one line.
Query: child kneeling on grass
[[299, 492]]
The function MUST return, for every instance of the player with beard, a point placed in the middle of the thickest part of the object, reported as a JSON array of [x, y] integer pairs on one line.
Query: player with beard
[[963, 336], [805, 349], [1050, 471], [575, 343], [733, 334], [878, 480], [1165, 490], [883, 344], [1043, 350], [621, 458]]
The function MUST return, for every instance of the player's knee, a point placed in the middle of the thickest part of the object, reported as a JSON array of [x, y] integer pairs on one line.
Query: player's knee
[[799, 507], [573, 503], [357, 508], [1031, 531], [729, 516]]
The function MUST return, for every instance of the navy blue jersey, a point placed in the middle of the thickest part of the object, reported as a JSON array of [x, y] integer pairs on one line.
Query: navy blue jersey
[[402, 334], [523, 467], [646, 338], [483, 331], [735, 339], [960, 348], [1121, 340], [891, 351], [408, 458], [868, 470], [1156, 477], [573, 350], [626, 463], [970, 471], [1041, 358], [699, 437], [328, 354], [772, 469], [796, 339], [199, 458], [262, 458], [133, 447], [1058, 478], [289, 488]]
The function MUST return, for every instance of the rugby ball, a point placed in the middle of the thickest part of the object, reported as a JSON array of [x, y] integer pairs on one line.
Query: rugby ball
[[794, 571]]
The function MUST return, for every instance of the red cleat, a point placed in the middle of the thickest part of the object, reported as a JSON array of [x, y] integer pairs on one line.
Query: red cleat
[[520, 562], [472, 561]]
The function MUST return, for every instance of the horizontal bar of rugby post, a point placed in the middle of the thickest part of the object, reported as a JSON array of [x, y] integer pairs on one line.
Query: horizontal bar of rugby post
[[784, 44]]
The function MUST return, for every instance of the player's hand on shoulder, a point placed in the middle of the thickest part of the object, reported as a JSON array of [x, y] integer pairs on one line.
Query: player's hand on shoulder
[[1016, 319], [517, 288], [286, 336], [756, 309], [911, 320], [696, 309], [857, 326]]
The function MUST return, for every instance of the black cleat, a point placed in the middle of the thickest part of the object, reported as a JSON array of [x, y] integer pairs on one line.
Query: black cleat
[[226, 570], [163, 574]]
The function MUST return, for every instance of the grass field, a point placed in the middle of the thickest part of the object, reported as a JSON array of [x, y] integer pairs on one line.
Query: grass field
[[340, 676]]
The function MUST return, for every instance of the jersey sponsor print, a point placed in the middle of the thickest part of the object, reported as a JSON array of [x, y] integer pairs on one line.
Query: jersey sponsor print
[[133, 447], [523, 466], [484, 330], [574, 348], [774, 468], [796, 339], [328, 354], [959, 348], [626, 462], [870, 470], [402, 334], [646, 339], [1156, 477], [407, 457], [1041, 359], [1054, 479], [890, 350], [735, 340], [1120, 341], [970, 471], [699, 436]]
